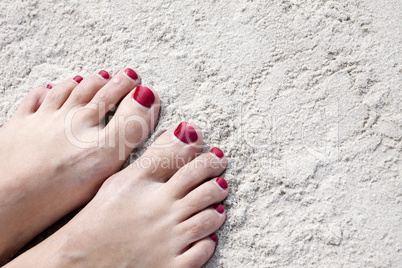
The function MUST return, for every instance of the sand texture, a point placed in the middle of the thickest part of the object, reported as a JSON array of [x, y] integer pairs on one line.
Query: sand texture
[[302, 96]]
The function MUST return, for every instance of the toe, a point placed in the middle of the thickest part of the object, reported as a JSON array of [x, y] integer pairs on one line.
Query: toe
[[32, 101], [86, 90], [133, 120], [207, 194], [109, 95], [205, 166], [200, 225], [171, 151], [199, 253], [58, 95]]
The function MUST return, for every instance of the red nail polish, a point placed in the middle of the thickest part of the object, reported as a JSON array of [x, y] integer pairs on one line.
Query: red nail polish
[[78, 79], [104, 74], [144, 96], [186, 133], [49, 86], [222, 183], [213, 237], [219, 208], [130, 73], [216, 151]]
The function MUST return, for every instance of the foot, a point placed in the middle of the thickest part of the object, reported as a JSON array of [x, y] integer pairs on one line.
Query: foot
[[161, 211], [55, 152]]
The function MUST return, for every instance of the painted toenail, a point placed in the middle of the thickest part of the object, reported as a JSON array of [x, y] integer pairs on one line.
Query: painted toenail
[[216, 151], [78, 79], [213, 237], [49, 86], [186, 133], [131, 74], [144, 96], [222, 183], [219, 208], [103, 74]]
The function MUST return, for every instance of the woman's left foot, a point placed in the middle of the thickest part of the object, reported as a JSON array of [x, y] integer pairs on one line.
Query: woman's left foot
[[56, 152]]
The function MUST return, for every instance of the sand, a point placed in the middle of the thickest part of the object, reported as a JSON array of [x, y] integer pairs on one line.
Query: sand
[[302, 96]]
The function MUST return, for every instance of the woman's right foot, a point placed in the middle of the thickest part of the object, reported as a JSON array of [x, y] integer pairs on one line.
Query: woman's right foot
[[161, 211]]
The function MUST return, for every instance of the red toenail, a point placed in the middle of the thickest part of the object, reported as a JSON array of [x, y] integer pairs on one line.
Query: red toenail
[[222, 183], [130, 73], [186, 133], [144, 96], [219, 208], [216, 151], [49, 86], [78, 79], [213, 237], [104, 74]]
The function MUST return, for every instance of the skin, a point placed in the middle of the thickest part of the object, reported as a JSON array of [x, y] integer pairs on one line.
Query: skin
[[157, 215]]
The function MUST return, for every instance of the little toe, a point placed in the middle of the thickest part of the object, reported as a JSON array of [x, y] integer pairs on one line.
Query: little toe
[[86, 90], [199, 253], [32, 101], [110, 94], [207, 194], [58, 95], [171, 151], [205, 166], [133, 120], [200, 225]]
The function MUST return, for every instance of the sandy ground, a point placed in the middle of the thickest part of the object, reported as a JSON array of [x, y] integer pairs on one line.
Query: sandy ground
[[303, 97]]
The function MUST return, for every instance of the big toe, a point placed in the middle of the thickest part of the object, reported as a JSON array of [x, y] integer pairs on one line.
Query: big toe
[[133, 121], [171, 151], [110, 95]]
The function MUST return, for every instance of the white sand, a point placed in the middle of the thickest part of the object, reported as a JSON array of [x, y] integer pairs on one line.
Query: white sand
[[303, 97]]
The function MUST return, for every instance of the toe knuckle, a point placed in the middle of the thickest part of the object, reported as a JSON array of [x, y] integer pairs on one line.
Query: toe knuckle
[[104, 98], [189, 173], [193, 204], [52, 96], [195, 228], [209, 196], [211, 224], [77, 96]]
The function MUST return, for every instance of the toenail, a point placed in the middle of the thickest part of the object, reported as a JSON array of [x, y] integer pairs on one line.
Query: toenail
[[219, 208], [222, 183], [144, 96], [49, 86], [186, 133], [77, 79], [216, 151], [213, 237], [131, 74], [103, 74]]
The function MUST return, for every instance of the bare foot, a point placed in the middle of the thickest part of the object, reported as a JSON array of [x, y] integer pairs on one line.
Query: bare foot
[[55, 152], [161, 211]]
